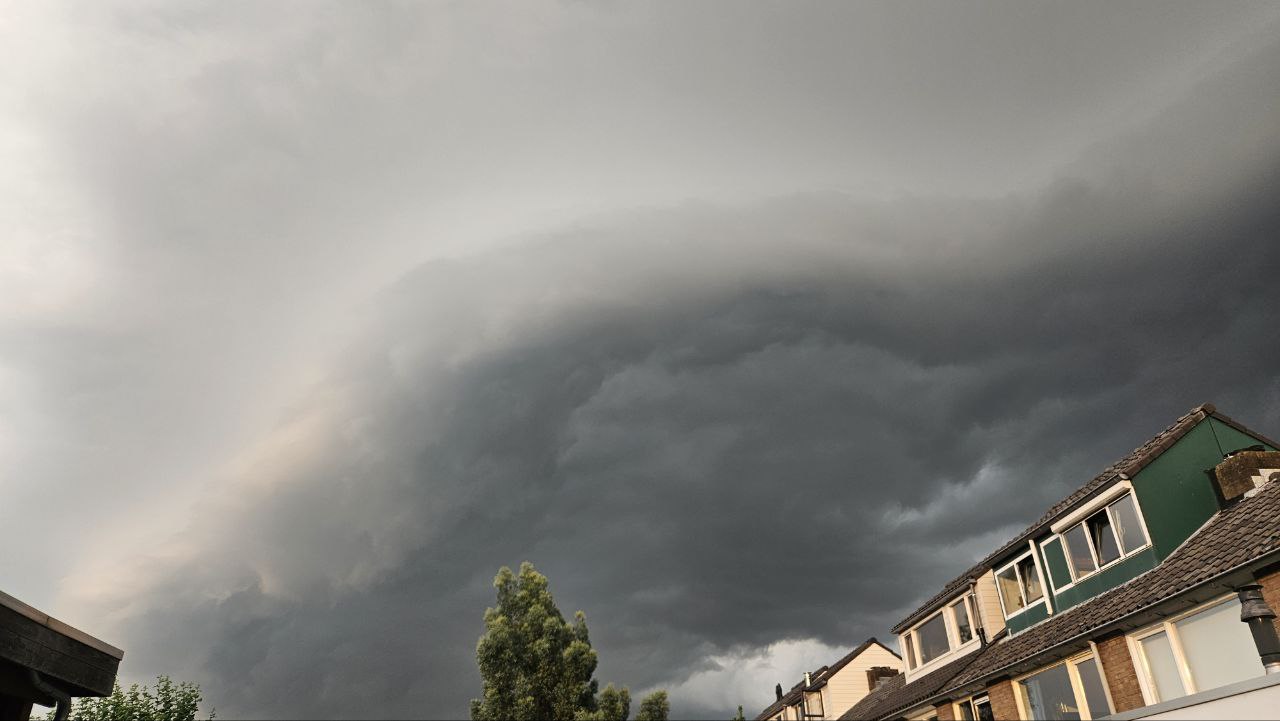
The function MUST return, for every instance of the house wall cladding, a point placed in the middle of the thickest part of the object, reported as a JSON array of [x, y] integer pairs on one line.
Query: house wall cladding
[[1028, 618], [1175, 493], [1120, 673], [946, 712]]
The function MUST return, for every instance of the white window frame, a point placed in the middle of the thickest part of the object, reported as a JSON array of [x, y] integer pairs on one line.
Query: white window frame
[[1088, 539], [972, 703], [1049, 576], [955, 649], [954, 637], [1145, 680], [805, 697], [1077, 686], [1044, 586]]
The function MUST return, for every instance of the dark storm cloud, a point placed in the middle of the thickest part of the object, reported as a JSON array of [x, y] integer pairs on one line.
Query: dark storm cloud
[[717, 427], [729, 410]]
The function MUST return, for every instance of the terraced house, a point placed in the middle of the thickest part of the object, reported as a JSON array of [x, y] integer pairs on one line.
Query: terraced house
[[831, 690], [1147, 591]]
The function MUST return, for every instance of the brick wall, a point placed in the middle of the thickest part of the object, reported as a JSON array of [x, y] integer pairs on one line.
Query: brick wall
[[1271, 592], [946, 712], [1003, 705], [1122, 677]]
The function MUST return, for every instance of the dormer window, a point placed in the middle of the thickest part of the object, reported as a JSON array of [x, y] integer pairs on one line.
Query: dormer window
[[932, 635], [1019, 584], [960, 611], [948, 630], [1104, 537]]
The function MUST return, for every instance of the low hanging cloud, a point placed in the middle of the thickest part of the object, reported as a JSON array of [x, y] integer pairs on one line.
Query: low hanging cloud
[[742, 435]]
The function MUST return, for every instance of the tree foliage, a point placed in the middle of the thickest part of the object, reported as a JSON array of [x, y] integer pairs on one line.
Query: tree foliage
[[739, 717], [613, 705], [536, 665], [654, 707], [167, 701], [533, 663]]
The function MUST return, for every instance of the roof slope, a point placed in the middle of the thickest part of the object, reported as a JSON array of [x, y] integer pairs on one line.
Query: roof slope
[[819, 678], [1237, 536], [895, 694], [1129, 465]]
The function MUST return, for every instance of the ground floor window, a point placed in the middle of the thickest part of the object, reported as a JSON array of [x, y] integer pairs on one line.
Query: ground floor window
[[1200, 650], [1068, 691], [977, 708]]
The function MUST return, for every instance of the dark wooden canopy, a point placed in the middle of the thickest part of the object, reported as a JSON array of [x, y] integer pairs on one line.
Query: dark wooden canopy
[[65, 660]]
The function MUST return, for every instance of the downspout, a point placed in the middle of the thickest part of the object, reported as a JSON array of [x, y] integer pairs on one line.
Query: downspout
[[62, 698]]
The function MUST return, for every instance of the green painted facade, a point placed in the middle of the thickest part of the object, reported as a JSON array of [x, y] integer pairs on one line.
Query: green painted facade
[[1176, 497], [1027, 618], [1174, 491]]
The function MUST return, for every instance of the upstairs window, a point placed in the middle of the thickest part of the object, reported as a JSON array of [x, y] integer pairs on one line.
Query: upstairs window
[[1112, 533], [933, 639], [960, 611], [813, 705], [1019, 584], [947, 630]]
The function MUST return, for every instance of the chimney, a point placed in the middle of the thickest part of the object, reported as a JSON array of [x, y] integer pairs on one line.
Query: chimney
[[778, 690], [876, 675], [808, 680], [1242, 471]]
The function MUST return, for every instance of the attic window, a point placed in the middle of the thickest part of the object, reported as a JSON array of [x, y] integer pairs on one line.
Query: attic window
[[933, 639], [1112, 533], [1019, 584]]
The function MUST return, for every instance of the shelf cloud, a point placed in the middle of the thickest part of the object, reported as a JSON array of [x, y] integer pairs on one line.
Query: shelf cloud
[[746, 327]]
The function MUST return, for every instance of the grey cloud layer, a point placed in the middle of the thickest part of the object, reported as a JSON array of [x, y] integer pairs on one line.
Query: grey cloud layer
[[714, 425]]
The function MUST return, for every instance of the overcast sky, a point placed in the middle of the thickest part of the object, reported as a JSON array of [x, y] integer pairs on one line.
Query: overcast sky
[[748, 323]]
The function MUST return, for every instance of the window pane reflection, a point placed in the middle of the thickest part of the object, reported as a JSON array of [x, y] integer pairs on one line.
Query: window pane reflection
[[1218, 646], [1094, 695], [1125, 516], [1050, 696], [933, 639], [1078, 551], [1164, 670]]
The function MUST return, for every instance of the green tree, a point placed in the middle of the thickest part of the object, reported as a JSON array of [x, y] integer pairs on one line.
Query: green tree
[[739, 717], [168, 701], [654, 707], [534, 664], [613, 705]]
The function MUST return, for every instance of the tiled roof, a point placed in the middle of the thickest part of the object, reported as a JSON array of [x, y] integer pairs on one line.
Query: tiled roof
[[772, 709], [819, 678], [1135, 461], [895, 694], [1238, 536]]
